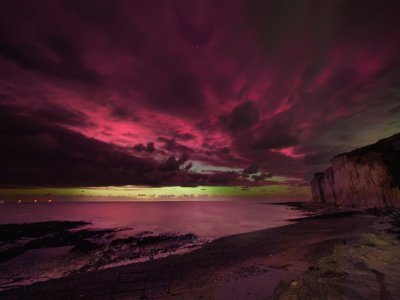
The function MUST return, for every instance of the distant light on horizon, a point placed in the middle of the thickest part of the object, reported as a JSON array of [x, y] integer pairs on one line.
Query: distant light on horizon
[[160, 193]]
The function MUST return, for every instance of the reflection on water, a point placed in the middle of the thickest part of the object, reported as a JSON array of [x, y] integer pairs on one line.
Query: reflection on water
[[207, 219]]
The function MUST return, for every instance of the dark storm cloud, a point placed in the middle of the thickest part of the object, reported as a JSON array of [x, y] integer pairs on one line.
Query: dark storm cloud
[[244, 116], [269, 87], [260, 146], [173, 146], [178, 91], [148, 148], [253, 168], [178, 177], [262, 176], [173, 163], [188, 166], [33, 54], [276, 136], [124, 114], [139, 147], [265, 158], [34, 153], [184, 136], [224, 150], [62, 116]]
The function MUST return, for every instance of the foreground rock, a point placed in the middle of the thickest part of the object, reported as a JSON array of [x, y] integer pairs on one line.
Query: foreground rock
[[365, 177], [367, 267], [33, 252]]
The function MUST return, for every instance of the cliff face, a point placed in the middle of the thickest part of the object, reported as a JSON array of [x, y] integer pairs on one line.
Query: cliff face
[[365, 177]]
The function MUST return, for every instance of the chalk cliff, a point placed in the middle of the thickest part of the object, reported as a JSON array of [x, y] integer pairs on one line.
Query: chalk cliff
[[365, 177]]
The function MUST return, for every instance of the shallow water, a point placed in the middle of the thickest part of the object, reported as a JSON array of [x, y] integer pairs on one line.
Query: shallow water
[[207, 219]]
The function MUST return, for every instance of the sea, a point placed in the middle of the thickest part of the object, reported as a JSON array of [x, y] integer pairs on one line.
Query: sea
[[206, 219], [158, 229]]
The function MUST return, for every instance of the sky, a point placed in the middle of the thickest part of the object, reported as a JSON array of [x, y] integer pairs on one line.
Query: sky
[[192, 93]]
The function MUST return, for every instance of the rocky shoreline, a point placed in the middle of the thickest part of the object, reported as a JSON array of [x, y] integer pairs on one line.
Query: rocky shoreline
[[245, 266], [33, 252], [367, 267]]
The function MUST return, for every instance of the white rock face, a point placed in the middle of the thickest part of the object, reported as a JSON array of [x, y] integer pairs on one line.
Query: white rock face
[[360, 179]]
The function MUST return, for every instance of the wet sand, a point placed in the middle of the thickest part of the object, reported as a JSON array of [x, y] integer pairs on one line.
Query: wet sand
[[243, 266]]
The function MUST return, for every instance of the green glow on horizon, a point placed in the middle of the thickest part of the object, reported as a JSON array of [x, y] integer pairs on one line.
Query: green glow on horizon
[[160, 193]]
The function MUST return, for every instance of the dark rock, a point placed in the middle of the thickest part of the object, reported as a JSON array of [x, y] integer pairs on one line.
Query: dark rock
[[49, 234], [14, 232]]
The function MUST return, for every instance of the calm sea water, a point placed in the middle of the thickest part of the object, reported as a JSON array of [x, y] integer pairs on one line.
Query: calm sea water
[[207, 219]]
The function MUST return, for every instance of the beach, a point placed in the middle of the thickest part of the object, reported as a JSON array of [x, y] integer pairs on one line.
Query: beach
[[43, 241], [242, 266]]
